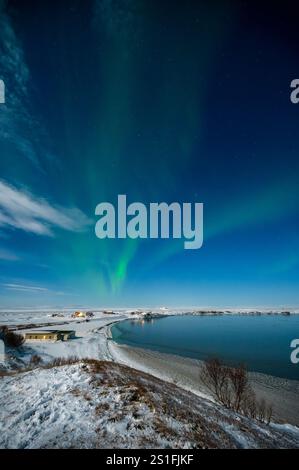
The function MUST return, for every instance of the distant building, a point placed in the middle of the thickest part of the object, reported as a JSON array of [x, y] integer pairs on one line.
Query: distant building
[[50, 335], [79, 315]]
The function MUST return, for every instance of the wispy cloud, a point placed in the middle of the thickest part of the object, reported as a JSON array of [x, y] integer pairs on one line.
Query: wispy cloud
[[14, 116], [24, 287], [33, 289], [20, 128], [8, 255], [19, 209]]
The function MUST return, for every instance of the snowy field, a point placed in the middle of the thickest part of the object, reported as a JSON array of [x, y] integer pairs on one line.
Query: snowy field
[[92, 336], [72, 406], [106, 405]]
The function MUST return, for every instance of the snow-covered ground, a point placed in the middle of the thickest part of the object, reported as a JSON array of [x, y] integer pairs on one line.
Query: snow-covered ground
[[25, 316], [106, 405], [62, 407], [91, 337]]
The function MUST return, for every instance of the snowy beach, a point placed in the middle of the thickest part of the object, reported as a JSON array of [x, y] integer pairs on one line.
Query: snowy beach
[[184, 372]]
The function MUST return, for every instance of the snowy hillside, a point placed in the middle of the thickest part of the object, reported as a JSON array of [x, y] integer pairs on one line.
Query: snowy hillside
[[105, 405]]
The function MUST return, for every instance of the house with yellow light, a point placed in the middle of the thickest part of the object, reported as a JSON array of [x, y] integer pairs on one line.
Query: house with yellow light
[[79, 314], [50, 335]]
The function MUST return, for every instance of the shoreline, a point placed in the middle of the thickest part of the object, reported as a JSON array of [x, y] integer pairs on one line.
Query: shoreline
[[94, 339], [183, 371]]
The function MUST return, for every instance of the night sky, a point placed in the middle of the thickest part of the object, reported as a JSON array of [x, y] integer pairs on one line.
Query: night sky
[[161, 101]]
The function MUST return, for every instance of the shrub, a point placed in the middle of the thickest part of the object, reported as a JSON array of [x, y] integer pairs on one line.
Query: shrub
[[3, 331], [230, 387], [35, 360], [14, 340], [214, 375]]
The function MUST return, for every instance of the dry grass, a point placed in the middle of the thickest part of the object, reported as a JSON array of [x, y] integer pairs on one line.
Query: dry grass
[[102, 408], [160, 412]]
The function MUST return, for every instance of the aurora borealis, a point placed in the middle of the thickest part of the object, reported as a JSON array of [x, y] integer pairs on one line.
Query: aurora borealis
[[161, 101]]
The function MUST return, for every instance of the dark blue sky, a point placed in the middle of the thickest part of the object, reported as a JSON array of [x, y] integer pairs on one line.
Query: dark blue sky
[[173, 102]]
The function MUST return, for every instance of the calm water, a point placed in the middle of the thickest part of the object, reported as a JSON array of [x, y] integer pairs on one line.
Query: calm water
[[261, 342]]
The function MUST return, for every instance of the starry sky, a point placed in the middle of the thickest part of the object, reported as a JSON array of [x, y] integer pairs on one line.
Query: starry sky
[[161, 101]]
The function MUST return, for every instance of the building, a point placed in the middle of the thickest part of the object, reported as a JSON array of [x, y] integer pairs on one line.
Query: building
[[50, 335], [79, 315]]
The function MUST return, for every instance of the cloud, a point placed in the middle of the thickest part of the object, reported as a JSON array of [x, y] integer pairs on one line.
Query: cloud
[[15, 73], [8, 255], [24, 288], [20, 128], [21, 210], [33, 289]]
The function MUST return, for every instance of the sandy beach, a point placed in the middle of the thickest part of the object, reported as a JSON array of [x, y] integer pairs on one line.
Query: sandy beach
[[281, 393]]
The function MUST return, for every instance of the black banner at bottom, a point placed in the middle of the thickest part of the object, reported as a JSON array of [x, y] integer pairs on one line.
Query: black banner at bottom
[[141, 458]]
